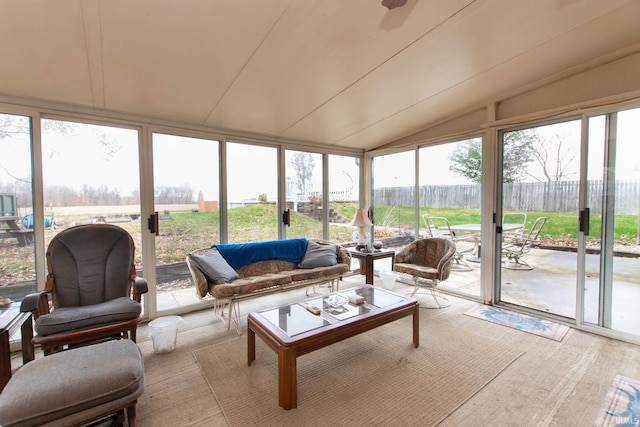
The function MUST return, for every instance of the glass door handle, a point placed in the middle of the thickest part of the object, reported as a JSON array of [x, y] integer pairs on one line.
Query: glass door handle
[[286, 217], [584, 221], [153, 225]]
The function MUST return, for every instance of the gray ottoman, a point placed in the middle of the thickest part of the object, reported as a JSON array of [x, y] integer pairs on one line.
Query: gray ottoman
[[75, 387]]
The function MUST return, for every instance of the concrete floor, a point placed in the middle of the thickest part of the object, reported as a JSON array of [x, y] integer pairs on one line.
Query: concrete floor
[[551, 286]]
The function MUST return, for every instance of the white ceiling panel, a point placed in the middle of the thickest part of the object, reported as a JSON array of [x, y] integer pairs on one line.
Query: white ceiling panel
[[447, 58], [347, 73], [315, 52], [177, 59], [43, 51]]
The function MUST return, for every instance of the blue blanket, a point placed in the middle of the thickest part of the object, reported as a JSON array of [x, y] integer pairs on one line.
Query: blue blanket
[[239, 254]]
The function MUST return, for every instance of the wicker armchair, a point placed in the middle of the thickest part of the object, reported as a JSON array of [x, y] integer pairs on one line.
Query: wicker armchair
[[428, 262]]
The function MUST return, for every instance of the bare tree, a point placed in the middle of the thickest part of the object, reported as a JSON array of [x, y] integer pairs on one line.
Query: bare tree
[[552, 158], [303, 165]]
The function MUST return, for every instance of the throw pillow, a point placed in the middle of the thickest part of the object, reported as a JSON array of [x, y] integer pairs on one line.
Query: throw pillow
[[214, 267], [318, 255]]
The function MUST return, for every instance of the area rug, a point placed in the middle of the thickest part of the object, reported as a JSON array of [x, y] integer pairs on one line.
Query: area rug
[[376, 379], [522, 322], [622, 404]]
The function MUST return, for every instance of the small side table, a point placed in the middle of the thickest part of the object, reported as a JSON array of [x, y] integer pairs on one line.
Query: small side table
[[366, 261], [11, 318]]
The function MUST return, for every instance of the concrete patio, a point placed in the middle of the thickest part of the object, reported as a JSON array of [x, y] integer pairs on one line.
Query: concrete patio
[[550, 287]]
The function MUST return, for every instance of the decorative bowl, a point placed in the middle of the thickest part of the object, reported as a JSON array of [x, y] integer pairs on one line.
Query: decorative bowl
[[337, 300]]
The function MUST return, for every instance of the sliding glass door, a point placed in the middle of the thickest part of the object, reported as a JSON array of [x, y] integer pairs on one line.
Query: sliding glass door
[[611, 223], [577, 256], [539, 218], [186, 199], [450, 206]]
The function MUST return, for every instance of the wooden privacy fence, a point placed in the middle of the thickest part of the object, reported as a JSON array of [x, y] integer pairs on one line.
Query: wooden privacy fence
[[518, 196]]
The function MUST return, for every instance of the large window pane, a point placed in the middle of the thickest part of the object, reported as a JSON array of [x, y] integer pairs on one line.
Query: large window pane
[[344, 191], [17, 270], [450, 188], [252, 183], [303, 172], [186, 196], [393, 198], [91, 175]]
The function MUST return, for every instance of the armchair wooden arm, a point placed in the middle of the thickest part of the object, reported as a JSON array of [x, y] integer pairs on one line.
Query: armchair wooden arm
[[37, 303]]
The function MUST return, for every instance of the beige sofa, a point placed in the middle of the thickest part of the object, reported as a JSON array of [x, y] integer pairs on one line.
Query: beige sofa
[[286, 264]]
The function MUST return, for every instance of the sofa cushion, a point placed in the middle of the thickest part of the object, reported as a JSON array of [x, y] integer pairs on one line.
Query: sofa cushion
[[417, 270], [248, 285], [318, 255], [301, 274], [264, 267], [214, 267], [65, 319]]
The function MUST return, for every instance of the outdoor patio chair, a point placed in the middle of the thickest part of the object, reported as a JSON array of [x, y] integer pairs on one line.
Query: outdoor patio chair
[[439, 226], [513, 248], [92, 293], [428, 262], [514, 224]]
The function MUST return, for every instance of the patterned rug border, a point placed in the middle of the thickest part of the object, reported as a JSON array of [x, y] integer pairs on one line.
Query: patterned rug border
[[521, 322], [622, 404]]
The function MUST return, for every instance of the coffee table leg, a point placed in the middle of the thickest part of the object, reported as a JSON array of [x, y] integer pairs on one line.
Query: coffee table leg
[[416, 326], [287, 378], [251, 346]]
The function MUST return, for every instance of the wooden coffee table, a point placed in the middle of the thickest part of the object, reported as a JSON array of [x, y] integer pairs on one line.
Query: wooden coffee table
[[291, 330]]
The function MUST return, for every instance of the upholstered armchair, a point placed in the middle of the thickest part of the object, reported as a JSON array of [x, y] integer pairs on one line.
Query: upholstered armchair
[[92, 292], [428, 262]]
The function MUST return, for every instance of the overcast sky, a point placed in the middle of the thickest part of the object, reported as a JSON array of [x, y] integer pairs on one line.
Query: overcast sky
[[97, 155]]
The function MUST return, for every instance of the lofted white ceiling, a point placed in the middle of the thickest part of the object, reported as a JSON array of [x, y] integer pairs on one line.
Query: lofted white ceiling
[[340, 72]]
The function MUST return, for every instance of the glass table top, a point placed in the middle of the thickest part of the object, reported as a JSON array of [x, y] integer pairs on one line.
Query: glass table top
[[295, 319]]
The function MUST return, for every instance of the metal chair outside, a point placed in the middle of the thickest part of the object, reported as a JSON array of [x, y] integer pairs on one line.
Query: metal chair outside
[[439, 226], [513, 248]]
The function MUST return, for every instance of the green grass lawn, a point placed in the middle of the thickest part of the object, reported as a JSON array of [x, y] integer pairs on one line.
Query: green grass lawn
[[188, 231], [260, 222]]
